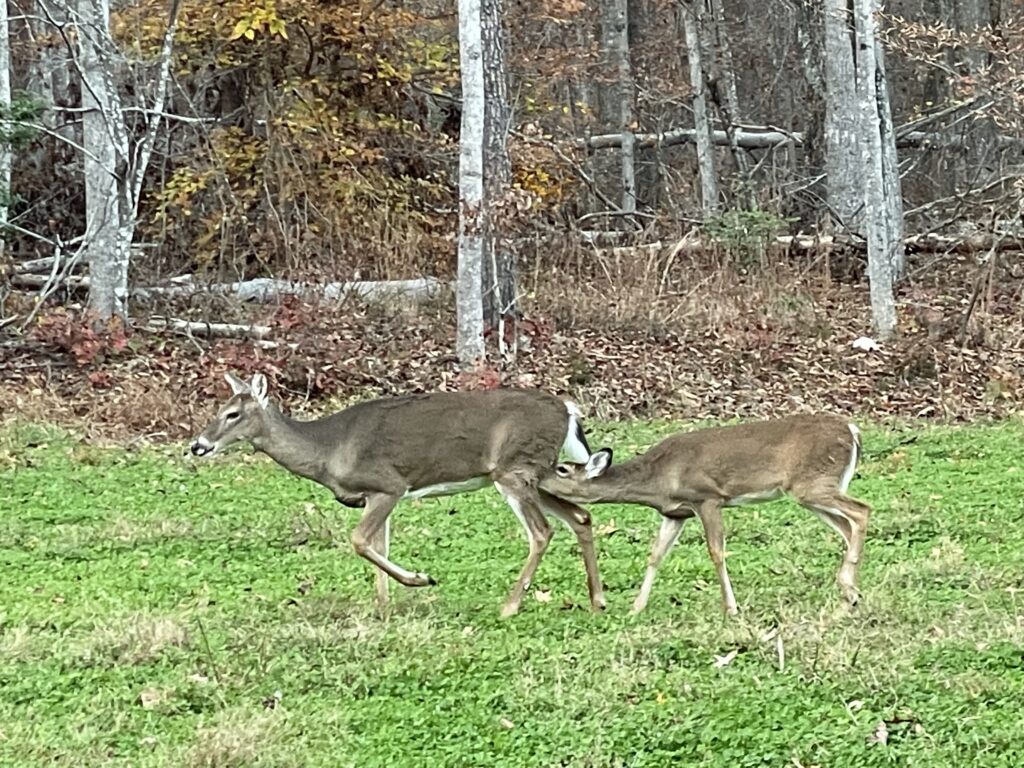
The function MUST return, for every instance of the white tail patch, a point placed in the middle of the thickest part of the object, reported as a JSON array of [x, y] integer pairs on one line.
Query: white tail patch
[[574, 446], [851, 465]]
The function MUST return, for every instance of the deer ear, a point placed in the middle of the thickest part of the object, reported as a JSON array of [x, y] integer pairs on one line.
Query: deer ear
[[238, 387], [598, 463], [259, 389]]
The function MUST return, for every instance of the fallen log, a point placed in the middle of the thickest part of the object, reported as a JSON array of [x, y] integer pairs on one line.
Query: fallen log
[[267, 289], [202, 328], [264, 289], [767, 138], [927, 243]]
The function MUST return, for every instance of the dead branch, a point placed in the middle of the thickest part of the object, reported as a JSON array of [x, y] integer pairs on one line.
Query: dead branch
[[265, 289], [766, 138], [262, 289], [926, 243], [202, 328]]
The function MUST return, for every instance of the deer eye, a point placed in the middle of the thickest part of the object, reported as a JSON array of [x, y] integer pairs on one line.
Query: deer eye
[[231, 416], [562, 471]]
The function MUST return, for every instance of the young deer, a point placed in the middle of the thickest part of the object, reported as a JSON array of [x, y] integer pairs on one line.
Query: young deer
[[376, 453], [812, 458]]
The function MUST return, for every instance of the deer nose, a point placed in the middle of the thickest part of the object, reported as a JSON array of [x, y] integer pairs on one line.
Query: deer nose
[[200, 448]]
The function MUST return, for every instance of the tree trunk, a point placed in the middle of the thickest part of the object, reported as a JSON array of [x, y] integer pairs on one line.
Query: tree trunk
[[720, 68], [5, 103], [106, 143], [469, 342], [617, 101], [890, 170], [843, 164], [701, 121], [876, 219], [498, 267]]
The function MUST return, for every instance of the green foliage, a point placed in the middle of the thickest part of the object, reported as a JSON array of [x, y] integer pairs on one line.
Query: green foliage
[[156, 611], [745, 234], [24, 108]]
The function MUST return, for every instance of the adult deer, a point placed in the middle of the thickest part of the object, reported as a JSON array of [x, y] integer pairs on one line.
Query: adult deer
[[376, 453], [809, 457]]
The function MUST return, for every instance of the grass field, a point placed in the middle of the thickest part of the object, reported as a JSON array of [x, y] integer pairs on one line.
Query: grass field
[[159, 611]]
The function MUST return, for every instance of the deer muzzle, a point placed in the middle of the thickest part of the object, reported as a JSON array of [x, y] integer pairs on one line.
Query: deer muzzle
[[202, 447]]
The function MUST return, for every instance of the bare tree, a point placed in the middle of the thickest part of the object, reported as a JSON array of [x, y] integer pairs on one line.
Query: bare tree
[[469, 340], [701, 119], [843, 165], [5, 104], [883, 228], [617, 101], [723, 81], [115, 165], [499, 269]]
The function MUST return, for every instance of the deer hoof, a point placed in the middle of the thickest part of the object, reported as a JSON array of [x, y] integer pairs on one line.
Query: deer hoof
[[424, 580]]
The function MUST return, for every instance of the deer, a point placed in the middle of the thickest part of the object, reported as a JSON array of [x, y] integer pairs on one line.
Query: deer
[[809, 457], [376, 453]]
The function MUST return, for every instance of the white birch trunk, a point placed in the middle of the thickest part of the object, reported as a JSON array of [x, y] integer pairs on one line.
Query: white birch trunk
[[843, 165], [469, 341], [620, 52], [5, 101], [106, 141], [701, 121], [890, 171], [500, 304], [876, 224]]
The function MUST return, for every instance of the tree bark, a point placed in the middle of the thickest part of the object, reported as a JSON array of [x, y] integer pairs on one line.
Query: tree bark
[[892, 189], [701, 120], [617, 98], [877, 219], [106, 143], [498, 267], [723, 75], [843, 162], [5, 103], [469, 342]]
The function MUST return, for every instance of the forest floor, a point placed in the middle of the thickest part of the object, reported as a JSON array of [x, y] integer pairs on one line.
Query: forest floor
[[721, 344]]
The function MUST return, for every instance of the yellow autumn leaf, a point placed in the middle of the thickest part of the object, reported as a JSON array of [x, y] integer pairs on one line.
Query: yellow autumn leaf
[[241, 28]]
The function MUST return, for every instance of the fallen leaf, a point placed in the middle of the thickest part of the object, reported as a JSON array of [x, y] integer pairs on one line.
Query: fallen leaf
[[880, 735], [541, 596], [724, 661], [151, 697], [504, 722]]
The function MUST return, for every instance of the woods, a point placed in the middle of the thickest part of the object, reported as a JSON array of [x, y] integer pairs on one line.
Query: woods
[[539, 160]]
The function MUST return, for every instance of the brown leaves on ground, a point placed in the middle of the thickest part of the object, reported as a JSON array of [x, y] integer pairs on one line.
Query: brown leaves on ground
[[726, 358]]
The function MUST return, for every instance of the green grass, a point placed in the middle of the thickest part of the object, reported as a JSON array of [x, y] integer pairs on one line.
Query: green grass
[[157, 611]]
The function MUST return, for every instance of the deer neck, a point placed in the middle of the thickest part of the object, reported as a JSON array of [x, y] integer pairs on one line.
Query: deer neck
[[287, 442], [627, 483]]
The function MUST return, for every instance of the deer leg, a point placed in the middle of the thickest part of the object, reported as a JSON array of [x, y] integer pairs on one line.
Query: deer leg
[[849, 518], [378, 508], [381, 542], [579, 522], [667, 536], [526, 504], [710, 514]]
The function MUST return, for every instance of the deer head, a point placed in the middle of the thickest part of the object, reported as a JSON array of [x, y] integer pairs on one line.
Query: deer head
[[571, 480], [241, 417]]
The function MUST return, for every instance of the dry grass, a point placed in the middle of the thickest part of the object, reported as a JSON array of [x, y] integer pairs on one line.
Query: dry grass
[[134, 639], [243, 738]]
